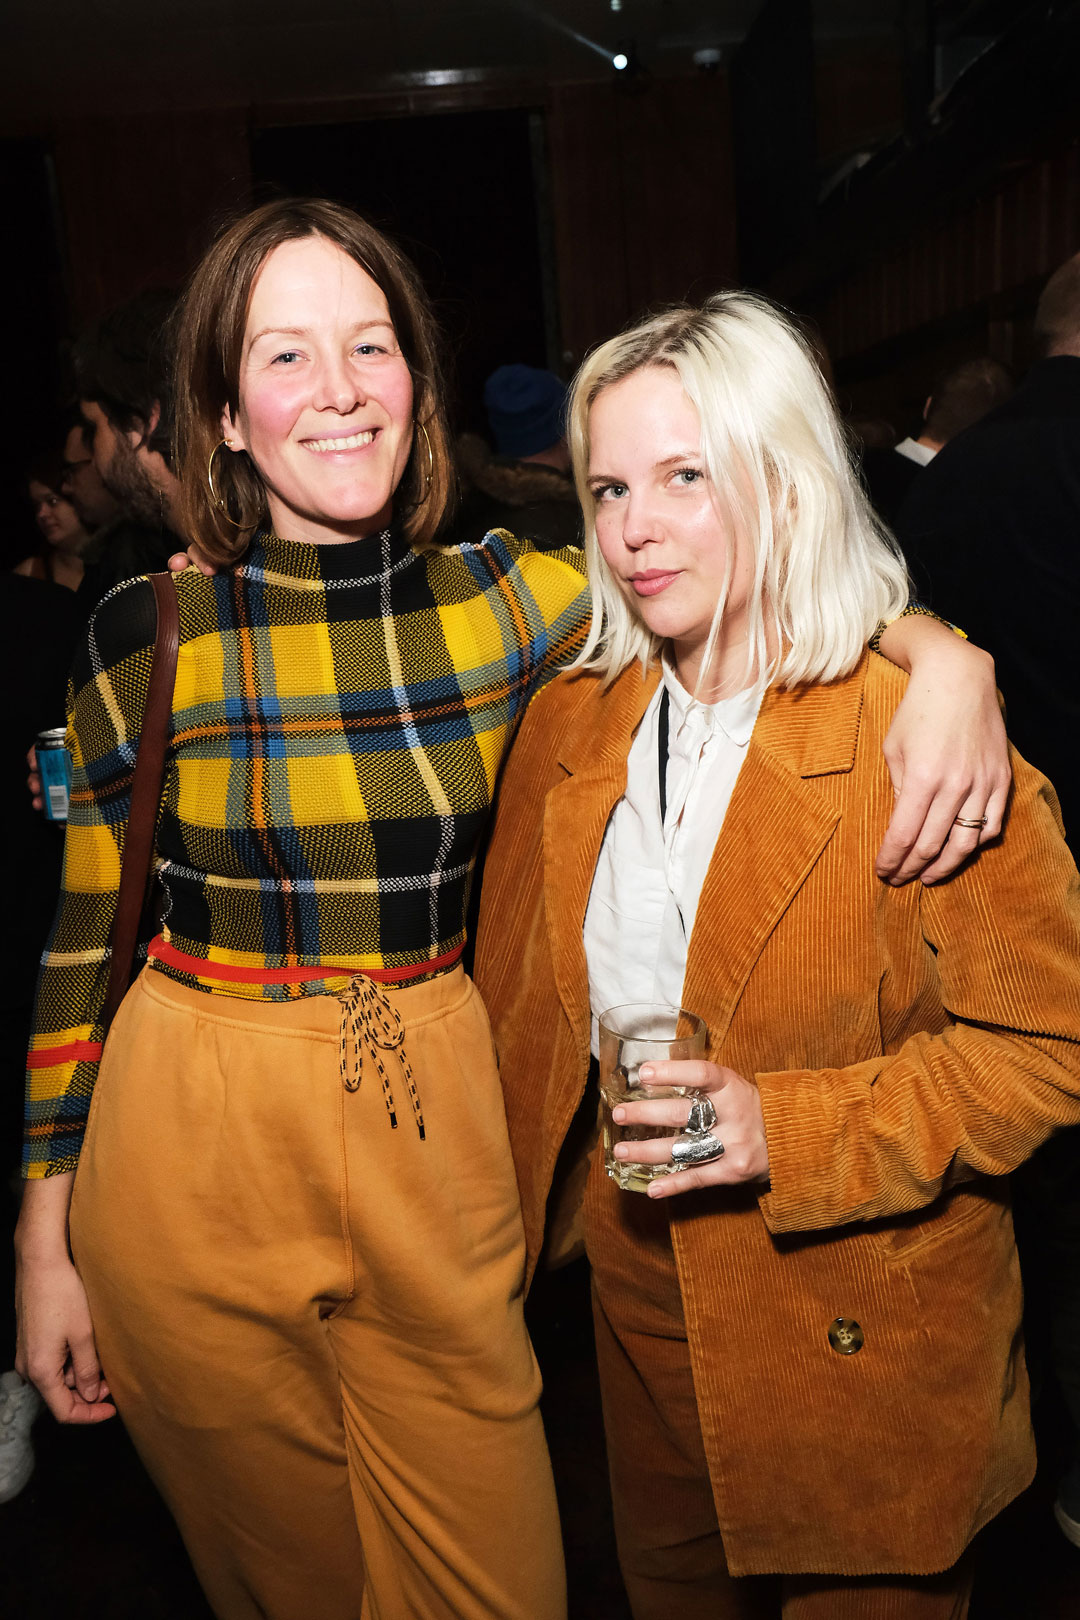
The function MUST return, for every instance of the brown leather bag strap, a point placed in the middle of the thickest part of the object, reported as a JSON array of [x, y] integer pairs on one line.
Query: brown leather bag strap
[[146, 787]]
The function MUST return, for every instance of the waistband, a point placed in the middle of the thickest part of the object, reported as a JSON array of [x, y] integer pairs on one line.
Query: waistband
[[217, 972], [309, 1017], [370, 1022]]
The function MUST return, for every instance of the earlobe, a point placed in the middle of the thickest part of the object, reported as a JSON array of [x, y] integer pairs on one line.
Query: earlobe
[[230, 432], [140, 437]]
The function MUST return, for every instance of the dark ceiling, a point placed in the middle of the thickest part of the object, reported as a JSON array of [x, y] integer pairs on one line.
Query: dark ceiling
[[82, 56]]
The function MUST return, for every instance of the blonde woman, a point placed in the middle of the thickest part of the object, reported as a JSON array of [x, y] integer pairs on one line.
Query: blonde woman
[[814, 1390]]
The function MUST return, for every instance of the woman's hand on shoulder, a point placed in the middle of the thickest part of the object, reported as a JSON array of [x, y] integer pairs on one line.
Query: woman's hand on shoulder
[[194, 557], [740, 1126], [948, 757]]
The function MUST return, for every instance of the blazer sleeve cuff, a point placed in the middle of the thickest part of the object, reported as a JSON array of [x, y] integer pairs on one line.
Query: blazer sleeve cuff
[[820, 1169]]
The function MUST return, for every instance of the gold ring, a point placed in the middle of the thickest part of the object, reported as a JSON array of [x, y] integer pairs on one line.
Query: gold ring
[[970, 821]]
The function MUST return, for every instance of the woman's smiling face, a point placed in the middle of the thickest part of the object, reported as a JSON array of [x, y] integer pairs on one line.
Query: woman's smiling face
[[658, 525], [325, 396]]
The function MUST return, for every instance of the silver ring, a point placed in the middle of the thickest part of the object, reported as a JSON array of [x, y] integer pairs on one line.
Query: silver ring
[[702, 1117], [974, 822], [690, 1150]]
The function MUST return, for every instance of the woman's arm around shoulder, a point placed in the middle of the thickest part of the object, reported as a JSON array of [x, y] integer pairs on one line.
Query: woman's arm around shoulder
[[888, 1135], [550, 591]]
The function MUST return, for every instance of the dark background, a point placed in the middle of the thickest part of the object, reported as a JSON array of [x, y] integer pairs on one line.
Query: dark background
[[904, 173]]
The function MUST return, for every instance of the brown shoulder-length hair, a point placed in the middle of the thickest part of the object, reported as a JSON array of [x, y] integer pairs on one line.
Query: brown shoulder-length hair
[[209, 340]]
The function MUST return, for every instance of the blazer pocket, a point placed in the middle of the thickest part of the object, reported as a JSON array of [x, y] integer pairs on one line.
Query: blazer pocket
[[906, 1237]]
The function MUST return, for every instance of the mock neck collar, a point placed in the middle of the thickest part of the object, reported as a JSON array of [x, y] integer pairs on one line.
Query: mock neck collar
[[346, 562]]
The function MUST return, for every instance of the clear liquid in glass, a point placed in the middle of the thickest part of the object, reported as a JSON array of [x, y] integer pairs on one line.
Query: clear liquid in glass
[[630, 1036]]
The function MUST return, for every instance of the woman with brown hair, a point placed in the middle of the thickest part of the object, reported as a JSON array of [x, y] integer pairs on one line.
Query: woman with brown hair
[[63, 537], [295, 1229], [305, 1290]]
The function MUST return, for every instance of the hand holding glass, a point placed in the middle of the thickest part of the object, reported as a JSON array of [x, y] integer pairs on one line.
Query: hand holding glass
[[642, 1032]]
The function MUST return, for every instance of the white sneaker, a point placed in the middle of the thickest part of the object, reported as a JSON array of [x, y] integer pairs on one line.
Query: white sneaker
[[19, 1404], [1069, 1527]]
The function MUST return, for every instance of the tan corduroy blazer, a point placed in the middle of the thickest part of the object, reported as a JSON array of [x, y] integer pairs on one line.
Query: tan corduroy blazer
[[910, 1046]]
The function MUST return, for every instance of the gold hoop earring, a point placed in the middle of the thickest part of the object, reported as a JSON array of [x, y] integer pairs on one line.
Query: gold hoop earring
[[214, 496], [430, 462]]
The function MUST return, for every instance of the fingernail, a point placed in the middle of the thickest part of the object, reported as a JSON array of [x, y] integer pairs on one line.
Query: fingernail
[[619, 1115], [646, 1072], [621, 1150]]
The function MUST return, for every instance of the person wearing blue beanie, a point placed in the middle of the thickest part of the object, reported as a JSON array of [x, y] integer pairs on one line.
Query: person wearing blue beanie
[[525, 486], [525, 408]]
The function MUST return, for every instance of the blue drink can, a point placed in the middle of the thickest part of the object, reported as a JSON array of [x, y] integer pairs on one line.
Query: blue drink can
[[54, 768]]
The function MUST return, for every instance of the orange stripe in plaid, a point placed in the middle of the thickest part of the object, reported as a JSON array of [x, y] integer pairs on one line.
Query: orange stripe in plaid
[[234, 973]]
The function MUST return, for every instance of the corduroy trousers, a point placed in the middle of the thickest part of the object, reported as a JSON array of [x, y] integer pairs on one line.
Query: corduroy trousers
[[311, 1320], [671, 1550]]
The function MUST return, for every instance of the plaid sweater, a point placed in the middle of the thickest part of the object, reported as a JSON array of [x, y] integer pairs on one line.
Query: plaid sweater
[[339, 718]]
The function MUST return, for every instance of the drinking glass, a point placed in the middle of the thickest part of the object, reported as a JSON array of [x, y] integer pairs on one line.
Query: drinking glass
[[642, 1032]]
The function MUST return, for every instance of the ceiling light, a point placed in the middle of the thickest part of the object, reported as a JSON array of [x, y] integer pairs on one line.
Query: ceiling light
[[620, 62]]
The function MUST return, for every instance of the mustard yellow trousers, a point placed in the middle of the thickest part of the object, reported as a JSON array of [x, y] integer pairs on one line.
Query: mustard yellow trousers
[[311, 1320]]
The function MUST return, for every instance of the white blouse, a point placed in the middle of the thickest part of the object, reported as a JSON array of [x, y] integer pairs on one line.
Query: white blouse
[[649, 876]]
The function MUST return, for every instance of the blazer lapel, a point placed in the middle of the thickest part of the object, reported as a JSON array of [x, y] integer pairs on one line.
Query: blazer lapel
[[776, 828], [576, 813]]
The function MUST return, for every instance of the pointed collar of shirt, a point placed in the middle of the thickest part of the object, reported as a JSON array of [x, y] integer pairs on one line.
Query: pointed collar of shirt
[[914, 451], [734, 716]]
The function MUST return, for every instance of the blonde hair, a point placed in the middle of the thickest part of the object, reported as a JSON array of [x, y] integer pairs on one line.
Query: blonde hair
[[825, 570]]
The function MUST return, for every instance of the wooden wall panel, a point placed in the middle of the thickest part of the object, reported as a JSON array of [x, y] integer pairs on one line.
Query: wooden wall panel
[[976, 257], [859, 97], [587, 207], [139, 197], [641, 186], [643, 200], [678, 182]]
